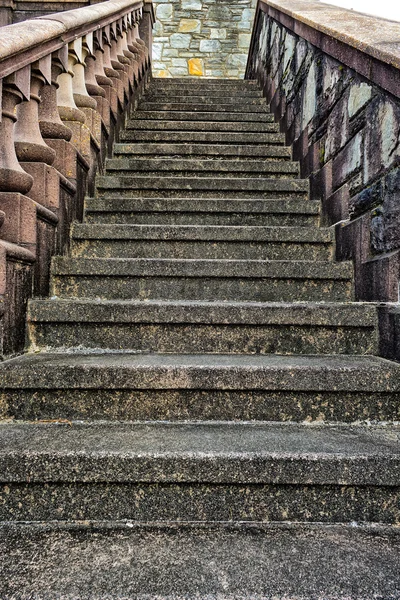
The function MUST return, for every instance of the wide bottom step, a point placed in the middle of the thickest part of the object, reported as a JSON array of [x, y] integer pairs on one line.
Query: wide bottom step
[[100, 561]]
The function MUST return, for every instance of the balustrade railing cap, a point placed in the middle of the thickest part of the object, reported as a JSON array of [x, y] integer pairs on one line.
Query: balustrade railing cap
[[26, 42], [375, 36], [28, 34]]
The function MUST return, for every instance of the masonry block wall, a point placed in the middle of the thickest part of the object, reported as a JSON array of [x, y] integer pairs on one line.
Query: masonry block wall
[[203, 38], [339, 106]]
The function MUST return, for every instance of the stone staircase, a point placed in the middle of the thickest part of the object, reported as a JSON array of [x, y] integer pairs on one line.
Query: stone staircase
[[201, 412]]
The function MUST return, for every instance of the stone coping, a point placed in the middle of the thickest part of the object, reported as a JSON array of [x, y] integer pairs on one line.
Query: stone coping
[[23, 43], [374, 36]]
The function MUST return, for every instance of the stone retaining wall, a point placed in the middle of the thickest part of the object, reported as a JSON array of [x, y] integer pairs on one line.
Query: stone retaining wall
[[332, 78], [204, 38]]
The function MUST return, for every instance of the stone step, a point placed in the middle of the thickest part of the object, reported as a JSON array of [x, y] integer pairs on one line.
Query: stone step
[[205, 387], [204, 187], [220, 151], [161, 82], [236, 107], [214, 137], [339, 562], [175, 125], [209, 242], [207, 327], [196, 472], [183, 211], [206, 115], [173, 279], [197, 97], [216, 92], [186, 167]]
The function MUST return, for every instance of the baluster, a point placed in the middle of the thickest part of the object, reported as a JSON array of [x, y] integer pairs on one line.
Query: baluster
[[15, 88], [50, 123], [102, 79], [29, 143], [119, 65], [111, 72], [67, 108], [96, 91]]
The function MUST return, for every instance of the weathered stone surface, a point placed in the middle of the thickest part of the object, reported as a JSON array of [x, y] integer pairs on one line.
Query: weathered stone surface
[[189, 561], [230, 328], [208, 212], [329, 87]]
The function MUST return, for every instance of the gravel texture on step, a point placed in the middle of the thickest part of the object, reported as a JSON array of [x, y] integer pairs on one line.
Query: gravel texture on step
[[117, 371], [100, 561]]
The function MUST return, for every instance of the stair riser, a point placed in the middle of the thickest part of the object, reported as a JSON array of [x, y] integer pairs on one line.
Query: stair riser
[[205, 115], [226, 151], [232, 194], [201, 288], [204, 106], [193, 218], [190, 502], [202, 168], [216, 92], [205, 82], [203, 137], [220, 174], [200, 98], [201, 405], [237, 127], [201, 187], [207, 249], [193, 338]]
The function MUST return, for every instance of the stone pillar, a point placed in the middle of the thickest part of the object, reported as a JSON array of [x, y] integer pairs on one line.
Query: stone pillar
[[146, 26]]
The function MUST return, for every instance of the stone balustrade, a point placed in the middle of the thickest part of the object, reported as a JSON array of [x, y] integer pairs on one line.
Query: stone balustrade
[[332, 78], [67, 82]]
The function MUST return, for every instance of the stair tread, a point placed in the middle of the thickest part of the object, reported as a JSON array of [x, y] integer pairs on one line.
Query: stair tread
[[204, 136], [225, 562], [238, 107], [189, 311], [213, 452], [203, 115], [202, 183], [208, 372], [194, 164], [202, 232], [203, 268], [119, 204], [198, 149]]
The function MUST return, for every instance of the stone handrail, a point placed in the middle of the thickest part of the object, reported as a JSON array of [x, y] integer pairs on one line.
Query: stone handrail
[[67, 82], [333, 81]]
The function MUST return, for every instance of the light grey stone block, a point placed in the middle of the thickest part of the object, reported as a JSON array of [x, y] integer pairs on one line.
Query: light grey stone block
[[210, 46], [180, 40]]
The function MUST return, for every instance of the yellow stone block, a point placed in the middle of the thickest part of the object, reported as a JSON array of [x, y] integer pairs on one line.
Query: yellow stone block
[[196, 66], [189, 25], [162, 73]]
